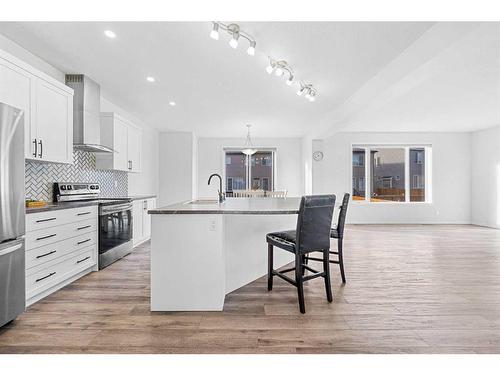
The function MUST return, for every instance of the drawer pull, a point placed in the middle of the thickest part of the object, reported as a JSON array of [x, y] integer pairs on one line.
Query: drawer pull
[[44, 220], [85, 227], [87, 240], [82, 260], [45, 237], [45, 277], [46, 254], [83, 213]]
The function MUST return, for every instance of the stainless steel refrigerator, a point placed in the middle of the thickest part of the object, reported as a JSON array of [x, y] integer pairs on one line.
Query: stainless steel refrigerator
[[12, 213]]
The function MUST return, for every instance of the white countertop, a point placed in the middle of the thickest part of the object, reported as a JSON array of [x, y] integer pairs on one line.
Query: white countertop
[[235, 206]]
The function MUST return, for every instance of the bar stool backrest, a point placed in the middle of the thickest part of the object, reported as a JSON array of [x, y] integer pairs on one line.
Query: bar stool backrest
[[314, 223], [342, 215]]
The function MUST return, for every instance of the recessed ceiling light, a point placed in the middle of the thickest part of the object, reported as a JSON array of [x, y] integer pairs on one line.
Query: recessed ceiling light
[[150, 79], [110, 34], [172, 103]]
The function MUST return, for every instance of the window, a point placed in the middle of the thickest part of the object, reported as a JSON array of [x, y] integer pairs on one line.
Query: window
[[358, 158], [358, 172], [254, 172], [386, 175], [265, 183]]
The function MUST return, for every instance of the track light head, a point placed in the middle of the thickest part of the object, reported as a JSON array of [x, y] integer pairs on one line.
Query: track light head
[[289, 81], [301, 91], [234, 40], [214, 34], [251, 48], [278, 72]]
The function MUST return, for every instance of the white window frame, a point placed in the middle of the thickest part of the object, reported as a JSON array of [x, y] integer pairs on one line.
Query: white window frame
[[274, 152], [406, 147]]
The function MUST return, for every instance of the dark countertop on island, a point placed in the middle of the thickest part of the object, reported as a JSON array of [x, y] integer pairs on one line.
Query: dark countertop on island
[[234, 206]]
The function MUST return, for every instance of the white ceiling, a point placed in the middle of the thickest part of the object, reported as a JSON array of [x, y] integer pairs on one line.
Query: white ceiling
[[370, 76]]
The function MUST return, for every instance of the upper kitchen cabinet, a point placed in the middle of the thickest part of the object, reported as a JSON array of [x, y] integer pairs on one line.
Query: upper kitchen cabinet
[[125, 139], [54, 122], [48, 109]]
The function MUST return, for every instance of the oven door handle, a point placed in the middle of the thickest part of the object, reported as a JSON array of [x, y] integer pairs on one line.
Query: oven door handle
[[113, 209]]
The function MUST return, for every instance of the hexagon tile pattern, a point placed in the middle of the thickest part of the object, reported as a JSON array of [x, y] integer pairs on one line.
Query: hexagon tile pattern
[[40, 177]]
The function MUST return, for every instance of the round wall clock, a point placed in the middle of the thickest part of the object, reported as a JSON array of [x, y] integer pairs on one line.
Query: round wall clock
[[317, 155]]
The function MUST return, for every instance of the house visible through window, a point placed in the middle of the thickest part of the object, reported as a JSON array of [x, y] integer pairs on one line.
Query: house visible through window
[[387, 171], [244, 172]]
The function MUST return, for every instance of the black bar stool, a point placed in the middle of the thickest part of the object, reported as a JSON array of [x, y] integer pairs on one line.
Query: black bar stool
[[337, 232], [312, 234]]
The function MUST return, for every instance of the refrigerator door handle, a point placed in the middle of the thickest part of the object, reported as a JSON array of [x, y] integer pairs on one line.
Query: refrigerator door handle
[[10, 249]]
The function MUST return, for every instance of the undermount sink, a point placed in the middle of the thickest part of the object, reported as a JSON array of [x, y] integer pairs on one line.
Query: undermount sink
[[203, 201]]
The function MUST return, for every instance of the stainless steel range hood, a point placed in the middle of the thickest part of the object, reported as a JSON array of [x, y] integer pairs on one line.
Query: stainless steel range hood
[[86, 114]]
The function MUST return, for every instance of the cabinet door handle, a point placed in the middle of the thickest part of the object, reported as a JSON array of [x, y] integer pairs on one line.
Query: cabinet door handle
[[87, 240], [82, 260], [46, 254], [41, 148], [36, 147], [45, 237], [44, 220], [83, 213], [43, 278], [130, 165], [85, 227]]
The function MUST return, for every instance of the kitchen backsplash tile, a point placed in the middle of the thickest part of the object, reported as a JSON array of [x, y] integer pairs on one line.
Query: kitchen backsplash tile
[[41, 176]]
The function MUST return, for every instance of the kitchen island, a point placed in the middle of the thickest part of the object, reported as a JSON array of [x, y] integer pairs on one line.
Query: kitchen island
[[202, 250]]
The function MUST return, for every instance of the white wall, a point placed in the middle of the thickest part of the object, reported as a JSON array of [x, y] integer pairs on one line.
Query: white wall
[[486, 177], [289, 170], [176, 167], [451, 175]]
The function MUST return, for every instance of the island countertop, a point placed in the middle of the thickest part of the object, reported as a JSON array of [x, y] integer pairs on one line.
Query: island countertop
[[234, 206]]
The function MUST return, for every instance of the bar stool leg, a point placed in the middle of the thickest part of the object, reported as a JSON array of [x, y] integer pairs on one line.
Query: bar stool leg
[[340, 246], [326, 270], [300, 282], [269, 267]]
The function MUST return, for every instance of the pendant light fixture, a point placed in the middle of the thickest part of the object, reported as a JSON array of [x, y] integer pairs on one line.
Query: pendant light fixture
[[248, 148]]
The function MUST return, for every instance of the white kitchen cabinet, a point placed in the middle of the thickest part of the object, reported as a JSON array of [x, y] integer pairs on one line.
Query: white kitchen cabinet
[[22, 97], [125, 139], [134, 146], [48, 109], [54, 123], [142, 220], [61, 246]]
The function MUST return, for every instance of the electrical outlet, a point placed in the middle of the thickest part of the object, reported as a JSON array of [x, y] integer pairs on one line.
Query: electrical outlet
[[212, 225], [116, 183]]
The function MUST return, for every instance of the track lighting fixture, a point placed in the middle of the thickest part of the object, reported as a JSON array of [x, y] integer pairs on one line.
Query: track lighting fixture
[[234, 30], [308, 91], [280, 68]]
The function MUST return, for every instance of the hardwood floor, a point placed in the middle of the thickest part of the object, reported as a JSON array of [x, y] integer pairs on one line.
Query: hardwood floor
[[410, 289]]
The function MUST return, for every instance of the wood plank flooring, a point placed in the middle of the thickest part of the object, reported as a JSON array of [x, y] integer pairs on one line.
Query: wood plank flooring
[[410, 289]]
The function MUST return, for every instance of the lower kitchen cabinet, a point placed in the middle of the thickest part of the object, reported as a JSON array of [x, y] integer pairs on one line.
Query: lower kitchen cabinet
[[141, 224], [61, 246]]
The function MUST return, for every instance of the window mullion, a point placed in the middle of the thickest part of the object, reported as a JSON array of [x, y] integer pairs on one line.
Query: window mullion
[[368, 183], [407, 174]]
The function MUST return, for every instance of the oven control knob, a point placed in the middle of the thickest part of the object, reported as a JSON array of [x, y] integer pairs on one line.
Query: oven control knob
[[63, 187], [69, 187]]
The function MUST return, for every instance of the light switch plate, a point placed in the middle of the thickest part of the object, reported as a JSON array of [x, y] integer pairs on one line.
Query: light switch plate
[[212, 224]]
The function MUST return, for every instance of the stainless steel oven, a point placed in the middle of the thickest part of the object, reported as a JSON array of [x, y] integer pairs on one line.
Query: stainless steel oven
[[115, 218], [115, 231]]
